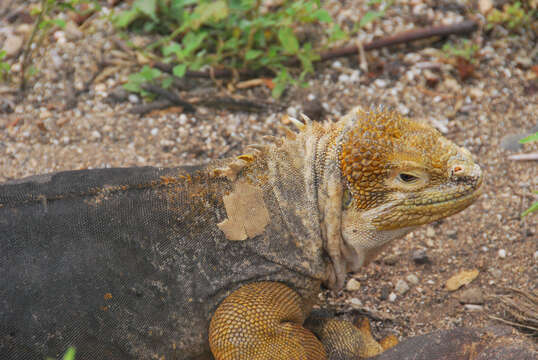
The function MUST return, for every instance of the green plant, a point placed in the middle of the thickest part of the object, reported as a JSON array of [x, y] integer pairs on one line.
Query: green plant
[[514, 16], [464, 49], [533, 207], [232, 34], [4, 66], [68, 355]]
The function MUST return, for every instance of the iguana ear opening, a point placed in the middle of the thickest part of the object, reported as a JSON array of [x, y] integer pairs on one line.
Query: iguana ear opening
[[347, 199]]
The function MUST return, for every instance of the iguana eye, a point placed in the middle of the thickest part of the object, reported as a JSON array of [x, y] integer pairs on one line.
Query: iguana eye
[[347, 199], [407, 178]]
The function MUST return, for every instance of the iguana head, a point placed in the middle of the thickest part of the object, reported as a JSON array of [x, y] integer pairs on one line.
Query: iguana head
[[398, 174]]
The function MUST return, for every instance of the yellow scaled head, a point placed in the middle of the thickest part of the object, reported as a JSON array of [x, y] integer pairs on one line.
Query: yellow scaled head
[[404, 173]]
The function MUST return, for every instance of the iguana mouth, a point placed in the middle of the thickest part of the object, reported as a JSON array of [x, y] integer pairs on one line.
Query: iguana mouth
[[415, 212]]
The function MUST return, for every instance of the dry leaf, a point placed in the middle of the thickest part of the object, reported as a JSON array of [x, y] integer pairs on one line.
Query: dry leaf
[[461, 279]]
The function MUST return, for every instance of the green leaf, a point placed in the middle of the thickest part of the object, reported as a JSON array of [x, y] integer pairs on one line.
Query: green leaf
[[125, 18], [58, 22], [288, 40], [173, 48], [2, 54], [529, 139], [167, 81], [192, 41], [147, 7], [69, 354], [281, 81], [179, 70], [253, 54], [149, 73], [322, 15], [336, 33], [205, 12], [533, 208], [369, 17], [132, 87]]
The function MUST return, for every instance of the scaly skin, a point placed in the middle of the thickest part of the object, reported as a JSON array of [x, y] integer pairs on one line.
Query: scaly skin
[[136, 263], [377, 176]]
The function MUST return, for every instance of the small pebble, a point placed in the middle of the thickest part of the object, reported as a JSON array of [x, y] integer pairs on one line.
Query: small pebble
[[472, 307], [420, 257], [391, 259], [502, 253], [100, 87], [496, 272], [471, 296], [344, 78], [404, 110], [353, 285], [380, 83], [133, 98], [96, 135], [430, 231], [154, 131], [385, 291], [355, 302], [412, 278], [536, 255], [392, 297], [336, 64], [401, 287]]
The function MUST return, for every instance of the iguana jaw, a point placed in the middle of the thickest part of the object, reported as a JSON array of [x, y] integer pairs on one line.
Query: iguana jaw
[[434, 203]]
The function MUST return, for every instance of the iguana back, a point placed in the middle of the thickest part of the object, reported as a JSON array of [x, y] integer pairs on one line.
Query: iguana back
[[121, 263]]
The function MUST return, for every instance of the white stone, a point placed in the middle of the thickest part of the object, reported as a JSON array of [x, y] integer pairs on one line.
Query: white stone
[[473, 307], [343, 78], [96, 135], [154, 131], [380, 83], [401, 287], [353, 285], [355, 302], [336, 64], [392, 297], [412, 278], [502, 253], [133, 98], [402, 109]]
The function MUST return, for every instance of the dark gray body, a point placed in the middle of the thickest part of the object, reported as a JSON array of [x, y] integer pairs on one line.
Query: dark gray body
[[130, 263]]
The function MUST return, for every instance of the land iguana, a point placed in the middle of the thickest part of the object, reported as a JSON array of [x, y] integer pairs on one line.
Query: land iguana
[[228, 258]]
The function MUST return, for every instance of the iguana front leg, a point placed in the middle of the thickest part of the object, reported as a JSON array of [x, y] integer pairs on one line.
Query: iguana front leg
[[265, 320], [262, 321]]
